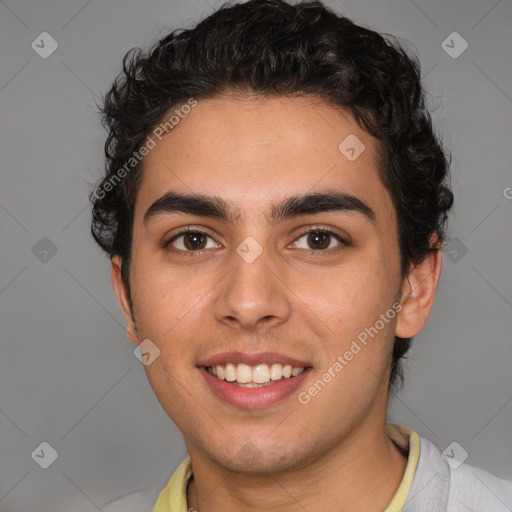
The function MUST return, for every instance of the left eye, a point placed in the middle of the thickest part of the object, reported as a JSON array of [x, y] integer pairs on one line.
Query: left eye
[[320, 240]]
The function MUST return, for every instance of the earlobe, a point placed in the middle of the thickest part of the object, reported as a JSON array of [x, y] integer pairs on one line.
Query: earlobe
[[122, 298], [418, 292]]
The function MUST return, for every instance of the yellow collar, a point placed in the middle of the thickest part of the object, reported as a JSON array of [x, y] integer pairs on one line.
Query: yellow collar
[[173, 497]]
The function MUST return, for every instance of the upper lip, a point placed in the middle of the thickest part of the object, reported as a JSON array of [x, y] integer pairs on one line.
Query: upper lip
[[252, 359]]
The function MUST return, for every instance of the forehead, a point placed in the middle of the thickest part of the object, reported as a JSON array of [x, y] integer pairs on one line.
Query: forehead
[[256, 150]]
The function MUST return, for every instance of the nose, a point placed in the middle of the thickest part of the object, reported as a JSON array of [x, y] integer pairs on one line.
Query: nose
[[252, 295]]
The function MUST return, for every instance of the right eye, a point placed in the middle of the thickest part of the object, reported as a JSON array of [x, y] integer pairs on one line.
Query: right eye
[[191, 241]]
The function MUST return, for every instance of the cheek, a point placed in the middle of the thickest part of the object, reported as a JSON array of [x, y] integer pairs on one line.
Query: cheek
[[163, 300], [172, 389], [349, 299]]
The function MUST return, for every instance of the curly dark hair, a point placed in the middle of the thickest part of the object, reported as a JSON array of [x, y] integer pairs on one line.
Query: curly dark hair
[[268, 48]]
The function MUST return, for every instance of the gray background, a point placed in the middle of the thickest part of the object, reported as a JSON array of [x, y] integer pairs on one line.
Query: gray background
[[68, 375]]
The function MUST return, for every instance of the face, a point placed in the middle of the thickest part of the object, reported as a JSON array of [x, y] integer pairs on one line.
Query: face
[[263, 284]]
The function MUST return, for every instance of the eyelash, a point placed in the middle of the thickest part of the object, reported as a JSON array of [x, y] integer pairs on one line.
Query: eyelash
[[314, 230]]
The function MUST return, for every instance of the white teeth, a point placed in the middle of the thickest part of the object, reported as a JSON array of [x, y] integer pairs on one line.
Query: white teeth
[[248, 375], [243, 373], [260, 374], [230, 372], [276, 372]]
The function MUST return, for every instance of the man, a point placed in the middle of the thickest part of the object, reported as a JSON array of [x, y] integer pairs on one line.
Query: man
[[274, 206]]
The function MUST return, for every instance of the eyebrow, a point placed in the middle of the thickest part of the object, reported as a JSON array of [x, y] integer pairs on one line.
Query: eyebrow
[[290, 207]]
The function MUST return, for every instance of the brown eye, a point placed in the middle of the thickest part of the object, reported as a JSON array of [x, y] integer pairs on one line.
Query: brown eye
[[191, 241], [194, 241], [320, 240]]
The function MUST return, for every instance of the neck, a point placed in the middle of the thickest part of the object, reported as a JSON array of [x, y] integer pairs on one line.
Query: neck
[[361, 473]]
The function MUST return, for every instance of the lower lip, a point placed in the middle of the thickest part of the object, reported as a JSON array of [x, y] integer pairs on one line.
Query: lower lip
[[254, 398]]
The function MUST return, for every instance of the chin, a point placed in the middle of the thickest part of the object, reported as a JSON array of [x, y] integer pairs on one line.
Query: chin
[[252, 459]]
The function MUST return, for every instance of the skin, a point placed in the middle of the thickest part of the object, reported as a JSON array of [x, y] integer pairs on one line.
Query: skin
[[332, 454]]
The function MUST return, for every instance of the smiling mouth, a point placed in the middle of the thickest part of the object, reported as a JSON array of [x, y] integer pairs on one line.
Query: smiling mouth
[[256, 376]]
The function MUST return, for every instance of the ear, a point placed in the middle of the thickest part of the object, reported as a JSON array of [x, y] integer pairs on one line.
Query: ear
[[123, 299], [418, 292]]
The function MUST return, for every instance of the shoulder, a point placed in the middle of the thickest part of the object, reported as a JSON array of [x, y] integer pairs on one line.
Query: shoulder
[[474, 487], [439, 486]]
